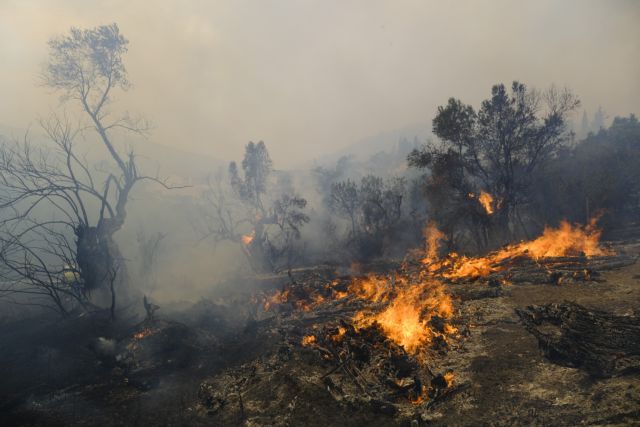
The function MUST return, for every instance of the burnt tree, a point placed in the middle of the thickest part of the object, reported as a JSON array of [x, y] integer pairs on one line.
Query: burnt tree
[[498, 148], [59, 214], [373, 209], [250, 213]]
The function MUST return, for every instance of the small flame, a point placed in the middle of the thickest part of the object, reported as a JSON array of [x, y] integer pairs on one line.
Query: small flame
[[279, 297], [450, 330], [449, 377], [486, 200], [423, 397], [432, 237], [340, 294], [143, 333], [337, 337], [308, 340], [248, 238]]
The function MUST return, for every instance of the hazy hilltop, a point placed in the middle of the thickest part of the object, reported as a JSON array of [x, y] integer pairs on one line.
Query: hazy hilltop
[[170, 161], [310, 78], [387, 141]]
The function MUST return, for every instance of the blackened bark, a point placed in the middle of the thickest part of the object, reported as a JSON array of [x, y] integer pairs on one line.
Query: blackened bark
[[99, 259], [601, 343]]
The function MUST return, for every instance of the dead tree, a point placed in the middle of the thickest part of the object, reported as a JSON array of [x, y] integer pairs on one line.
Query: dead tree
[[149, 249], [59, 215], [288, 217], [150, 309], [221, 216], [243, 211]]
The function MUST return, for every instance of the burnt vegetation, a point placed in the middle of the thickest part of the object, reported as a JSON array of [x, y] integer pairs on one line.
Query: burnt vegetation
[[60, 214], [362, 291]]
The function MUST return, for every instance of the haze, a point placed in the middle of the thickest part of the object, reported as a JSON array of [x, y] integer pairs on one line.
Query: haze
[[312, 77]]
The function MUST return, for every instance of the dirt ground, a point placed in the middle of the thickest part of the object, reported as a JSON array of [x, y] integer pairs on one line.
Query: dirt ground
[[512, 383], [50, 375]]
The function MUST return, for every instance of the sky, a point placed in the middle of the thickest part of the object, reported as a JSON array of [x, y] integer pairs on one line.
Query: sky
[[312, 77]]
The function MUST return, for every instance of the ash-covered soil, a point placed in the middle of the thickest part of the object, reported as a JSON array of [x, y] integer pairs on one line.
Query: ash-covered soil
[[206, 364]]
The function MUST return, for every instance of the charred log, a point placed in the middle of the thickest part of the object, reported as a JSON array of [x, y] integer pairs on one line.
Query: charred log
[[601, 343]]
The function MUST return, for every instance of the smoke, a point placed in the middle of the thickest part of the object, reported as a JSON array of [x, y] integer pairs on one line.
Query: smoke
[[309, 78]]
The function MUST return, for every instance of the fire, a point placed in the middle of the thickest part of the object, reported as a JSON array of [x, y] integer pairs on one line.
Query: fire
[[405, 306], [401, 306], [340, 294], [248, 238], [448, 377], [371, 288], [450, 330], [486, 200], [337, 337], [318, 299], [308, 340], [432, 237], [143, 333], [412, 307], [566, 240], [405, 320], [471, 268], [401, 322], [279, 297], [422, 397]]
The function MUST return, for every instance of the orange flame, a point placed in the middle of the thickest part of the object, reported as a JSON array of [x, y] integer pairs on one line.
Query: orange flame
[[144, 333], [471, 268], [337, 337], [486, 200], [248, 238], [432, 237], [371, 288], [413, 308], [280, 297], [566, 240], [449, 377], [308, 340], [405, 320]]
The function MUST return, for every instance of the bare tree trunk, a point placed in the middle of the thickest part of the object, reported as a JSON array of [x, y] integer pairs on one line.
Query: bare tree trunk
[[112, 308], [522, 226], [100, 263], [502, 223], [94, 257]]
